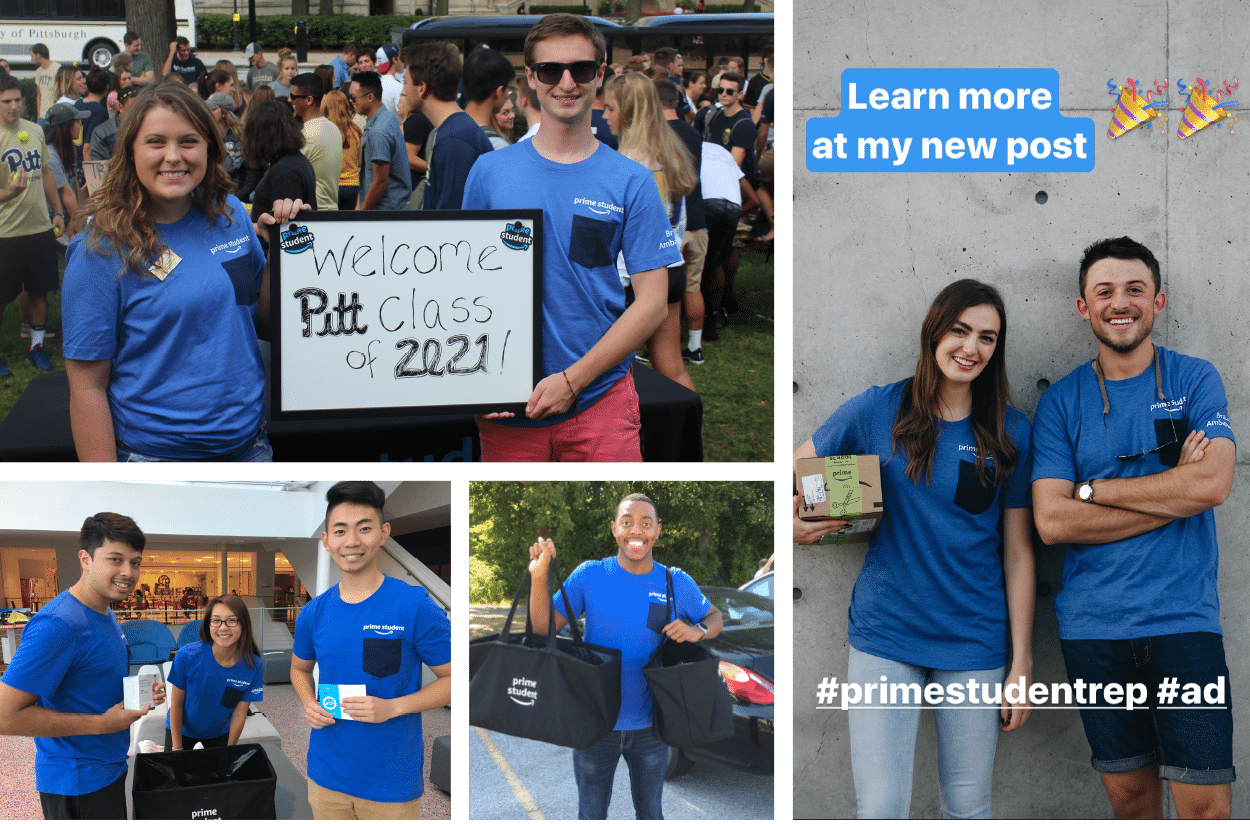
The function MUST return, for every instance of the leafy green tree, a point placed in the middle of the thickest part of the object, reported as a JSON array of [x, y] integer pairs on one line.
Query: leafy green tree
[[715, 530]]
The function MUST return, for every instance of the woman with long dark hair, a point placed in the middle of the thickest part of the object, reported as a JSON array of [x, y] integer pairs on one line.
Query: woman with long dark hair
[[929, 605], [272, 140], [215, 679], [165, 294]]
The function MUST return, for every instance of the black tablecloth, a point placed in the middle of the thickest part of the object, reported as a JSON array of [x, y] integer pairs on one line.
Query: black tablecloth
[[37, 429]]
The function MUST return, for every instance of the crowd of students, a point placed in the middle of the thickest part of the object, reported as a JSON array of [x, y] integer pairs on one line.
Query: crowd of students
[[380, 129]]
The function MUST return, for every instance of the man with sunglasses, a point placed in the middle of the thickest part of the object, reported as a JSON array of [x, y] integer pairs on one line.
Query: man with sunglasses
[[323, 142], [1131, 453], [385, 183], [596, 204]]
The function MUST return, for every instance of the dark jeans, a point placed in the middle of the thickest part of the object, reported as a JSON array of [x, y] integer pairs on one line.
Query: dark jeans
[[1191, 742], [107, 803], [594, 769]]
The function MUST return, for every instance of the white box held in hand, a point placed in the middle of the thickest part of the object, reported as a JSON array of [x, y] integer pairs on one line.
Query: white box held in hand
[[137, 689], [331, 696]]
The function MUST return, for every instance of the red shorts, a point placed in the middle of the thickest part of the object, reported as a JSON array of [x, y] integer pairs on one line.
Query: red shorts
[[607, 431]]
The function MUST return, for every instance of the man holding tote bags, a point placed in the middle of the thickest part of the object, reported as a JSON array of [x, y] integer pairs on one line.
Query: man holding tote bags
[[624, 599]]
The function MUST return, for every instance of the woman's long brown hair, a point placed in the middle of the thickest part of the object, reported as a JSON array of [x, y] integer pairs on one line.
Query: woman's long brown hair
[[916, 427]]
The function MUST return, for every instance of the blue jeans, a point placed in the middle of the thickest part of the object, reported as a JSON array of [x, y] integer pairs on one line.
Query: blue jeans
[[256, 450], [883, 742], [594, 769]]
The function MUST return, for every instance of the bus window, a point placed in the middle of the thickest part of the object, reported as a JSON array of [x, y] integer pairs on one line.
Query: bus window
[[62, 8]]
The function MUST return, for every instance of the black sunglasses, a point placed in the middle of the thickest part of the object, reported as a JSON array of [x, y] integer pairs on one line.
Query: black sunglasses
[[299, 96], [582, 71], [720, 90]]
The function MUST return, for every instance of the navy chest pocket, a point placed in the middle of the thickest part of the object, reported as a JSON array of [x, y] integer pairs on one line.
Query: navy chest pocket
[[381, 657], [1170, 435], [590, 243], [970, 496], [243, 276], [657, 616], [230, 697]]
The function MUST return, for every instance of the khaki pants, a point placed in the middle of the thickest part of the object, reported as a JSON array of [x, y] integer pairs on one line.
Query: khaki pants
[[331, 805]]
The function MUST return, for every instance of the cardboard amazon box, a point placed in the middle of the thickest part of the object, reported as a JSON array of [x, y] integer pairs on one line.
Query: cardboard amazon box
[[845, 488]]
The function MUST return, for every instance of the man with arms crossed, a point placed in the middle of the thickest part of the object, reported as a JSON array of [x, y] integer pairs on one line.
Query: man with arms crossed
[[1131, 452], [625, 601], [377, 631], [64, 685], [595, 204]]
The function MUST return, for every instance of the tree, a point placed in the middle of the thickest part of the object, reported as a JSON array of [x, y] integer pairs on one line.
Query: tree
[[156, 24], [716, 531]]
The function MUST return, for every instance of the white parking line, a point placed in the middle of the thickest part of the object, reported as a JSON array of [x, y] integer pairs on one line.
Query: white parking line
[[518, 789]]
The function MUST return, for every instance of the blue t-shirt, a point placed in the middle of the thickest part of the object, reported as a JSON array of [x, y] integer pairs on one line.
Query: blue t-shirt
[[342, 71], [212, 691], [931, 590], [380, 642], [187, 379], [602, 131], [458, 143], [383, 142], [592, 210], [74, 659], [627, 612], [1164, 581]]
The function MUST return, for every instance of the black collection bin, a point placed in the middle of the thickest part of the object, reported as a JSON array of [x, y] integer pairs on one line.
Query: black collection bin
[[221, 783]]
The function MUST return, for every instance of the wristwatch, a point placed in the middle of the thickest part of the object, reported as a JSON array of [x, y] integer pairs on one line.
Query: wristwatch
[[703, 627], [1086, 492]]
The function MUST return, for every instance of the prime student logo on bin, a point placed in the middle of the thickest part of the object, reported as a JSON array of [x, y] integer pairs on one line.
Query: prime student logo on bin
[[523, 691], [950, 120]]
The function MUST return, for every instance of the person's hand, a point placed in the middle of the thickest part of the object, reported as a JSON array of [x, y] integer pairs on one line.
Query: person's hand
[[682, 632], [315, 715], [282, 211], [173, 48], [1194, 448], [1014, 714], [58, 222], [158, 693], [542, 552], [118, 718], [369, 708], [810, 532], [14, 184], [552, 396]]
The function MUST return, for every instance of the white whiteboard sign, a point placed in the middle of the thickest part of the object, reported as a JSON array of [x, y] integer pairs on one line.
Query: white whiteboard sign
[[397, 312]]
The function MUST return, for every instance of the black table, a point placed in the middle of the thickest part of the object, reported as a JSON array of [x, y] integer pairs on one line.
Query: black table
[[37, 429]]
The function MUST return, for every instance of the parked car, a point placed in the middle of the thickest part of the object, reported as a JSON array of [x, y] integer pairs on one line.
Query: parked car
[[763, 586], [745, 648]]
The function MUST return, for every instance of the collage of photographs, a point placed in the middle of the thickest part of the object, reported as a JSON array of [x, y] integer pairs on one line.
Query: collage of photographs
[[624, 357]]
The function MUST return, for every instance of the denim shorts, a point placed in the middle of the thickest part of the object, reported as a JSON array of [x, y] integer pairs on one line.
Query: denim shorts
[[1191, 743]]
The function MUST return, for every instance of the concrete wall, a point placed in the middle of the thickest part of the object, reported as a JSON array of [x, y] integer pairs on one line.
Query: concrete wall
[[883, 245]]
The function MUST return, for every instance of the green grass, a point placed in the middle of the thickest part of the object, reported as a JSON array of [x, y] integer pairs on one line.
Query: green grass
[[13, 349], [735, 379]]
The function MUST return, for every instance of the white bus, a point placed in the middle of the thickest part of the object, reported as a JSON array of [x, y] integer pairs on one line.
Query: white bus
[[87, 31]]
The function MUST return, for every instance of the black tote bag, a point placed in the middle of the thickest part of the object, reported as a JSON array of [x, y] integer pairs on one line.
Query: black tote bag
[[220, 783], [544, 687], [690, 703]]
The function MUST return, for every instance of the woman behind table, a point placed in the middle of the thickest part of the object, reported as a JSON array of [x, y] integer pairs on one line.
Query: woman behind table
[[160, 322], [929, 604], [632, 110], [214, 680]]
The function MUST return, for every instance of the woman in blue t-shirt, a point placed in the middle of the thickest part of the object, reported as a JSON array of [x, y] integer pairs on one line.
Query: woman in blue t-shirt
[[929, 605], [215, 679]]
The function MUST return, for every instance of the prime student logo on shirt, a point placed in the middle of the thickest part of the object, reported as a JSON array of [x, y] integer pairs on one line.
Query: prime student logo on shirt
[[231, 247], [598, 206], [383, 629]]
